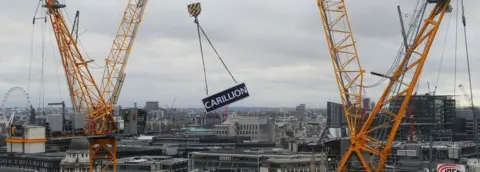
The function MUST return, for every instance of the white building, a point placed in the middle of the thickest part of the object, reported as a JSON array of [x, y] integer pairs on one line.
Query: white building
[[156, 115], [76, 158], [258, 128]]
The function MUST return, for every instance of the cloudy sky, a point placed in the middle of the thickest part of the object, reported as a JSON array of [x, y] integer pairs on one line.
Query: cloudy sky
[[277, 47]]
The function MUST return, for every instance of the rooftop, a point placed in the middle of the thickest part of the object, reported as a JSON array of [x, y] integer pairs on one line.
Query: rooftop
[[7, 169], [196, 129], [79, 144], [173, 161], [436, 144], [40, 156], [142, 159], [165, 160], [287, 161], [298, 157], [274, 151]]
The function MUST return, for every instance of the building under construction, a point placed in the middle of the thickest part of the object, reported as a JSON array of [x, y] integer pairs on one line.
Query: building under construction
[[426, 114]]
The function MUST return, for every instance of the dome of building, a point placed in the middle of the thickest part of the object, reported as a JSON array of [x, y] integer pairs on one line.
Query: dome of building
[[79, 144]]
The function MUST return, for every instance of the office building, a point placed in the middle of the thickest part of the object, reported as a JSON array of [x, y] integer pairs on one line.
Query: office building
[[259, 128], [336, 116], [152, 105], [463, 125], [300, 111], [207, 120], [134, 120], [254, 160]]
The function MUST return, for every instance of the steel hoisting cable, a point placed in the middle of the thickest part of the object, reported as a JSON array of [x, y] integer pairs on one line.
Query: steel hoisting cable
[[200, 31], [31, 47], [406, 48], [97, 66], [412, 32], [56, 66], [456, 53], [464, 22], [443, 54], [418, 15], [31, 59], [201, 53], [52, 37], [41, 97], [218, 55]]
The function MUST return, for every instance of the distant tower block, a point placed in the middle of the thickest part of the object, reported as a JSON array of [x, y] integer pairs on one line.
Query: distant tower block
[[366, 104], [26, 139], [153, 105]]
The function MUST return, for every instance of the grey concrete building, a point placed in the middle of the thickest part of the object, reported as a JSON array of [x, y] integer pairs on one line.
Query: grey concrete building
[[258, 128], [76, 158], [152, 105], [255, 160]]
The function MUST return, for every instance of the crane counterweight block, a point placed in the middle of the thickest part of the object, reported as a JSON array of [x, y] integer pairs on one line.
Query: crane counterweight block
[[194, 9]]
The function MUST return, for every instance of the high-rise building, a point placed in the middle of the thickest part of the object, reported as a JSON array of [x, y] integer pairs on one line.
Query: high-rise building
[[463, 125], [152, 105], [366, 104], [336, 116], [134, 120], [300, 110]]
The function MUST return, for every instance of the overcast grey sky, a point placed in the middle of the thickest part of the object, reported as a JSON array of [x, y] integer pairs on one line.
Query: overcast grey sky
[[276, 47]]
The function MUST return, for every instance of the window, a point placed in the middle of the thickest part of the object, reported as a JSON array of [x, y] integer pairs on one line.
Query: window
[[225, 158], [144, 168]]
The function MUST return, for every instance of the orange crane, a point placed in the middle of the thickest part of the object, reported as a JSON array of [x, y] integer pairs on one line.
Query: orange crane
[[115, 63], [87, 97], [344, 56], [363, 141]]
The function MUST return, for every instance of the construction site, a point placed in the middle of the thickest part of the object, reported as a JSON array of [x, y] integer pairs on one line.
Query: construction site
[[404, 129]]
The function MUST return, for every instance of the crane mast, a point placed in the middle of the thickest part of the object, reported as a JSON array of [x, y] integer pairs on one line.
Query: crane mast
[[115, 63], [84, 93], [86, 96], [349, 76], [344, 56], [383, 115]]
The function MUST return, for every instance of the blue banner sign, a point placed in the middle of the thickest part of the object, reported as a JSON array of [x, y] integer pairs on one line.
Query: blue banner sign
[[225, 97]]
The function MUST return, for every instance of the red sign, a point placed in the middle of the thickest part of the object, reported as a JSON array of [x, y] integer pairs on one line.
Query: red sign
[[450, 168]]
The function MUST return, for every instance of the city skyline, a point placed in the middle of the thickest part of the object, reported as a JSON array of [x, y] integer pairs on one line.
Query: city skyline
[[283, 60]]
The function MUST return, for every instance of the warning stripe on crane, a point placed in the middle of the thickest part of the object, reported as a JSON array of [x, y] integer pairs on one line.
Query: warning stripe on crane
[[194, 9]]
